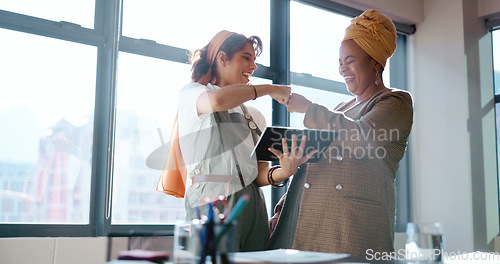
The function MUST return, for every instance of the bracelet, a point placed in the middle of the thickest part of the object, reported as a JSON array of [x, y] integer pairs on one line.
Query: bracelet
[[270, 177], [255, 92]]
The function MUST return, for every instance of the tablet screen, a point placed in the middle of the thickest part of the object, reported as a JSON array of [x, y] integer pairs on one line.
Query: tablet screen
[[271, 137]]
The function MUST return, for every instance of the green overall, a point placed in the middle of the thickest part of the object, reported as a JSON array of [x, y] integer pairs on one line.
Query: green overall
[[217, 175]]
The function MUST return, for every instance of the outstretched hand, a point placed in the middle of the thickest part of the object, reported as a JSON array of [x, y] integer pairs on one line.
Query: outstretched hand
[[297, 103], [290, 160]]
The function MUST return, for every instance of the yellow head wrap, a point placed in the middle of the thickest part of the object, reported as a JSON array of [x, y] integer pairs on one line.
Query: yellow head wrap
[[375, 33]]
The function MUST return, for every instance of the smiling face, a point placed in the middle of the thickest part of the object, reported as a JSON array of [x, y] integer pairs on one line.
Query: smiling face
[[358, 70], [238, 69]]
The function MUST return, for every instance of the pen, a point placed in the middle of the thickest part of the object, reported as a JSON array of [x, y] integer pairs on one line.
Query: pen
[[238, 208], [208, 234]]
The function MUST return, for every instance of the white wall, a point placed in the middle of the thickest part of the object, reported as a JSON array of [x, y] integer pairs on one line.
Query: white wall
[[53, 250], [488, 8]]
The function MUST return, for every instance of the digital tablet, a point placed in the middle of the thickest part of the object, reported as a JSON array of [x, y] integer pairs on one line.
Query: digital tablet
[[271, 137]]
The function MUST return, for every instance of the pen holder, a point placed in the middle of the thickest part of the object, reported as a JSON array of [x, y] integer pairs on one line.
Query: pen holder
[[197, 242]]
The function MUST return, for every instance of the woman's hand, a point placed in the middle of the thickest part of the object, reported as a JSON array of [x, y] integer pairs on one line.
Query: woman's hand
[[297, 103], [290, 160], [280, 93]]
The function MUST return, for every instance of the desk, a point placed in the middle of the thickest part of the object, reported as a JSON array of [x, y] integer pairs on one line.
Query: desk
[[297, 256], [357, 260], [363, 260]]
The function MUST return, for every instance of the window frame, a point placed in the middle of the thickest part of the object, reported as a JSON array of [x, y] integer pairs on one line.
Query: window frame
[[494, 25], [106, 36]]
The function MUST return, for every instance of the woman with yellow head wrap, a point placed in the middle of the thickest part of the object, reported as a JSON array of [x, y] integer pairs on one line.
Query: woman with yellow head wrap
[[346, 201]]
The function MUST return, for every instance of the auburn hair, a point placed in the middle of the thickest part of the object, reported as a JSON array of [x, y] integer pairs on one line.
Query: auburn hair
[[233, 44]]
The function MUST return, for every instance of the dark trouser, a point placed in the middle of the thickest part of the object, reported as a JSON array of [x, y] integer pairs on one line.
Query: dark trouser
[[252, 225]]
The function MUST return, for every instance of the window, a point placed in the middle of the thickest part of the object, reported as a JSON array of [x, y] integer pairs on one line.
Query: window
[[46, 113], [79, 12], [87, 101], [314, 56], [314, 53], [146, 105], [496, 77], [326, 98], [197, 21], [315, 43]]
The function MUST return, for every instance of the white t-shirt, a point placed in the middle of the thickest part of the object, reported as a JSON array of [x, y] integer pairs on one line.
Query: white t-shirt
[[194, 130]]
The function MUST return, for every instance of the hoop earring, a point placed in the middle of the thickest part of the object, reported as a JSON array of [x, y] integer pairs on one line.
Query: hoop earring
[[377, 76]]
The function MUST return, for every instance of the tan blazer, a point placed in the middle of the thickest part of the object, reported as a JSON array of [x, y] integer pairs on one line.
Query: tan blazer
[[348, 203]]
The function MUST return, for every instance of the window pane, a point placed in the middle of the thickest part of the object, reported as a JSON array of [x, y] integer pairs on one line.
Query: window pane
[[75, 11], [190, 24], [147, 91], [325, 98], [496, 77], [315, 37], [46, 110], [496, 59], [497, 119], [386, 74]]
